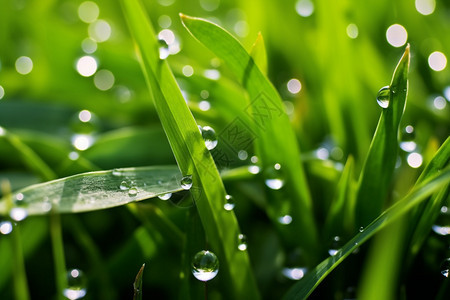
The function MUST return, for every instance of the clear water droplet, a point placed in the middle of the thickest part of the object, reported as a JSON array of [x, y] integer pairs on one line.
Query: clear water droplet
[[165, 196], [274, 177], [445, 267], [6, 227], [133, 191], [18, 214], [285, 220], [116, 172], [335, 246], [442, 224], [205, 265], [295, 273], [186, 182], [383, 97], [407, 137], [229, 204], [361, 229], [124, 186], [76, 285], [242, 242], [163, 49], [209, 135]]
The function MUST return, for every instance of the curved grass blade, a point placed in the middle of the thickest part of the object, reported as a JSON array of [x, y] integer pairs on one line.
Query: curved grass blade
[[193, 158], [258, 53], [276, 141], [137, 285], [307, 284], [380, 162], [96, 190]]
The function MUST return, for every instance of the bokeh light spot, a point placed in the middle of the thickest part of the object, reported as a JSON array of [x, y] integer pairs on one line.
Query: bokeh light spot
[[88, 11], [294, 86], [24, 65], [100, 31], [86, 66], [437, 61], [352, 31], [425, 7], [396, 35], [304, 8], [104, 80]]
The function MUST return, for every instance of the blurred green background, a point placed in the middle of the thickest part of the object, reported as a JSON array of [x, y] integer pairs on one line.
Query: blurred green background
[[72, 89]]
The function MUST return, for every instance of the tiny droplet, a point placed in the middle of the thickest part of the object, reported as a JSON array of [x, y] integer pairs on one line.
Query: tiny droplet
[[242, 239], [229, 204]]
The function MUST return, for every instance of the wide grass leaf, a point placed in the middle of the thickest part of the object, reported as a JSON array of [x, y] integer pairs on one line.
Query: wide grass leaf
[[275, 139], [377, 172], [193, 158], [96, 190]]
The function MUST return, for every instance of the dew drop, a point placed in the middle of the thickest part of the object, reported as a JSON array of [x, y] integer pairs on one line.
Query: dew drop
[[361, 229], [116, 172], [335, 246], [205, 265], [209, 135], [163, 49], [442, 224], [407, 143], [383, 97], [165, 196], [76, 285], [294, 273], [229, 204], [445, 267], [124, 186], [242, 239], [274, 179], [18, 214], [186, 182], [133, 191], [6, 227], [285, 220]]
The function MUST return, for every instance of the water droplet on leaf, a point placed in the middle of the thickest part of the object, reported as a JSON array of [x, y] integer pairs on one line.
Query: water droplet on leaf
[[186, 182], [133, 191], [442, 224], [163, 49], [242, 239], [407, 143], [76, 285], [209, 135], [274, 177], [124, 185], [335, 246], [383, 97], [445, 267], [229, 204], [205, 265], [165, 196]]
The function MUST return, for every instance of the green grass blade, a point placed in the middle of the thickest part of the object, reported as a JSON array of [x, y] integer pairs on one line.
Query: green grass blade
[[276, 141], [258, 53], [307, 284], [96, 190], [380, 162], [193, 158]]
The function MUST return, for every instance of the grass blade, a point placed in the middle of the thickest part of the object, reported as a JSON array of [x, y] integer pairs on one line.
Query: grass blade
[[81, 192], [276, 141], [307, 284], [258, 53], [380, 162], [193, 158], [137, 285]]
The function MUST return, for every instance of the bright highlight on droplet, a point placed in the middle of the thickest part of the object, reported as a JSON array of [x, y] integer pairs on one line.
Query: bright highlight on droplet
[[188, 71], [86, 66], [2, 92], [294, 86], [304, 8], [85, 116], [99, 31], [396, 35], [437, 61], [425, 7], [414, 160], [104, 80], [352, 31], [88, 11], [24, 65], [294, 273]]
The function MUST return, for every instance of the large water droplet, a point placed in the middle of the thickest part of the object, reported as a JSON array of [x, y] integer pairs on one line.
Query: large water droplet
[[6, 227], [186, 182], [445, 267], [383, 97], [242, 242], [163, 49], [229, 204], [335, 246], [205, 265], [18, 214], [442, 224], [165, 196], [76, 285], [209, 135], [294, 273], [124, 186], [133, 191], [274, 177]]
